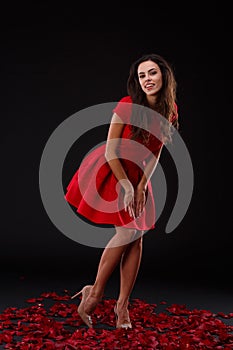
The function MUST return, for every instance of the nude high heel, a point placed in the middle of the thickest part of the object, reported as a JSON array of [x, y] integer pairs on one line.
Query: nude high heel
[[122, 319], [85, 291]]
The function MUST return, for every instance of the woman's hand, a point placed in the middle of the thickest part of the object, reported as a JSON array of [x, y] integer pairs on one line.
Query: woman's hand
[[128, 196], [139, 201]]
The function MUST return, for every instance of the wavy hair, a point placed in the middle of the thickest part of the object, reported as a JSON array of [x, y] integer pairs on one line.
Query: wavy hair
[[165, 102]]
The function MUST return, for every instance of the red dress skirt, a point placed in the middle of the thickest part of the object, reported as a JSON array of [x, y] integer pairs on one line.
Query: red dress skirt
[[94, 190]]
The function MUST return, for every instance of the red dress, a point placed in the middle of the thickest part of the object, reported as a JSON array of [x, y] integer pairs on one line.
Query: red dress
[[92, 189]]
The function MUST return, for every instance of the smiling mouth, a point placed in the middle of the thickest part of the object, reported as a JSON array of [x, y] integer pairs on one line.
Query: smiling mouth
[[149, 86]]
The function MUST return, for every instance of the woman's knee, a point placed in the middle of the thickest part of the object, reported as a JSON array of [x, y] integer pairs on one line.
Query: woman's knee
[[126, 235], [137, 243]]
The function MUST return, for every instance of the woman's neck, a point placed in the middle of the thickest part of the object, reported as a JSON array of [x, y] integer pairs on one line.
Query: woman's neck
[[151, 100]]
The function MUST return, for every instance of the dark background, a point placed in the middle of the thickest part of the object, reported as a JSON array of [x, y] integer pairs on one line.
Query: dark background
[[55, 62]]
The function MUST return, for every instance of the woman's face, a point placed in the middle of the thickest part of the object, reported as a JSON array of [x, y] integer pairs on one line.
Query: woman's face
[[150, 77]]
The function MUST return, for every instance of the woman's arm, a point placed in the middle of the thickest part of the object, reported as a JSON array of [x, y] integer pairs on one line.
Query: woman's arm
[[140, 197], [113, 138], [149, 169]]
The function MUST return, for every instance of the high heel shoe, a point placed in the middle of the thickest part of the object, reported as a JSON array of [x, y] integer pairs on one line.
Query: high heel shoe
[[85, 291], [122, 318]]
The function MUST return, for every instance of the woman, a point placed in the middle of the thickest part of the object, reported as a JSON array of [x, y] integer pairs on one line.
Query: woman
[[151, 85]]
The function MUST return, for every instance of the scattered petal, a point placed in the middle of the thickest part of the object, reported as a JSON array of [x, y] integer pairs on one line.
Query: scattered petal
[[52, 322]]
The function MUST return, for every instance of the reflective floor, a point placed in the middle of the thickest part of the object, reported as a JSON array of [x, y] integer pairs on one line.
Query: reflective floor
[[16, 289]]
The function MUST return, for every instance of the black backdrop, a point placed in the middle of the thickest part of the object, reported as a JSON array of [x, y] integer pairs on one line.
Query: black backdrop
[[52, 68]]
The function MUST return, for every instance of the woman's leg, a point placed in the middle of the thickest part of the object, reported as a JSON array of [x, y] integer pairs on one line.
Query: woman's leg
[[129, 267], [110, 258]]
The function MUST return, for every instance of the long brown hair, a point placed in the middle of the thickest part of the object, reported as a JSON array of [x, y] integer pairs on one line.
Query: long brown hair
[[166, 100]]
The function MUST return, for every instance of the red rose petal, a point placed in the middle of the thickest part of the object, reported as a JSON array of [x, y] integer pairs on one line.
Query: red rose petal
[[59, 326]]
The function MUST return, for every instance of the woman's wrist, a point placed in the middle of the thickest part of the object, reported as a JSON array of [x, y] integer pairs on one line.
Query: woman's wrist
[[126, 184], [142, 187]]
